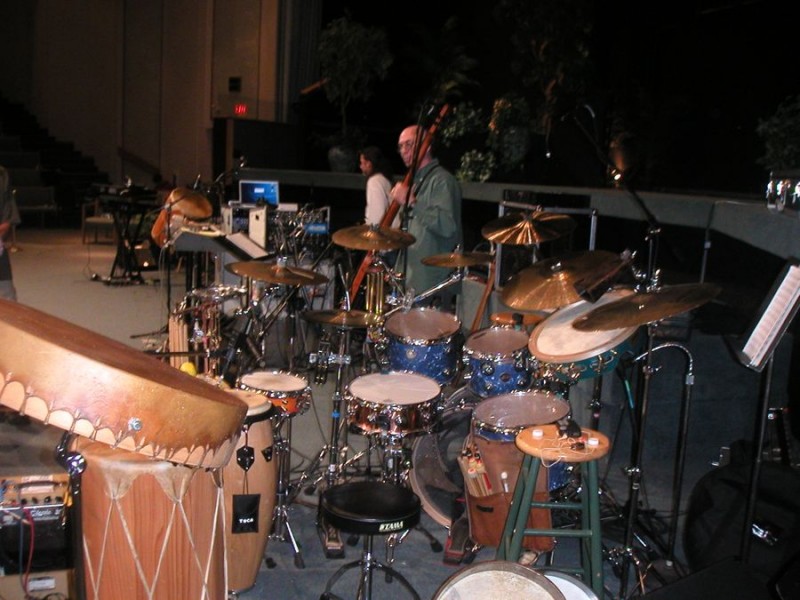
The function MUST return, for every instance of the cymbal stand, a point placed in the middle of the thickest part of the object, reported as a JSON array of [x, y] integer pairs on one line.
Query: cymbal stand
[[409, 300], [281, 528], [635, 471]]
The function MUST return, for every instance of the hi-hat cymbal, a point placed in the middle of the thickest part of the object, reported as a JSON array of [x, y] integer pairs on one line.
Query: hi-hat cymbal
[[276, 273], [192, 204], [95, 387], [550, 283], [344, 319], [371, 237], [527, 229], [647, 307], [456, 260]]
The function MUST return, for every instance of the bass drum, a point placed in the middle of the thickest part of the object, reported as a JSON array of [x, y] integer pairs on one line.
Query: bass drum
[[435, 475]]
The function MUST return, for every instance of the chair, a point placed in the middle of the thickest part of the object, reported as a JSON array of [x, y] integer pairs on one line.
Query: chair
[[543, 445], [94, 220], [369, 508]]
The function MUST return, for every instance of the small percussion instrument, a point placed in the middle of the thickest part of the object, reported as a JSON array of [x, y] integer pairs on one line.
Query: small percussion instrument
[[498, 360], [568, 355], [288, 392], [422, 341], [393, 403]]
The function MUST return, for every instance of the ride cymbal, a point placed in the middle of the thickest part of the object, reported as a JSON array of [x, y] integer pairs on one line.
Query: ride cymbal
[[372, 237], [528, 229], [192, 204], [647, 307], [276, 273], [350, 319], [457, 260], [550, 283]]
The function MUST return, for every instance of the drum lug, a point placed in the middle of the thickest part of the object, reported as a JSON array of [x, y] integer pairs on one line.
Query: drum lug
[[487, 368], [245, 457]]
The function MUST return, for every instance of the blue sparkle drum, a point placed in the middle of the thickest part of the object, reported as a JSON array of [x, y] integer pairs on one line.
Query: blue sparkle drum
[[566, 354], [499, 361], [422, 341]]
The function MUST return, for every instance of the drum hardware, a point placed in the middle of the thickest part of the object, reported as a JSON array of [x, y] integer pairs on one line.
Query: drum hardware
[[409, 299], [336, 449], [634, 310], [528, 229], [551, 283], [285, 492]]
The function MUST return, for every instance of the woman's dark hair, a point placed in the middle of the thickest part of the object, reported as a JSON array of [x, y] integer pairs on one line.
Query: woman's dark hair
[[375, 155]]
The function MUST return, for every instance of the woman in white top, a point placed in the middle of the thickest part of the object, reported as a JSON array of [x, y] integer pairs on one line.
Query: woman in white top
[[377, 170]]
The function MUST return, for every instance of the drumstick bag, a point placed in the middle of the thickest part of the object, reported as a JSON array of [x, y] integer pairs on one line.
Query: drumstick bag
[[245, 513]]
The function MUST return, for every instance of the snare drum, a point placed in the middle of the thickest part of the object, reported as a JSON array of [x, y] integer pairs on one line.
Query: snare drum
[[249, 485], [572, 587], [422, 341], [498, 579], [151, 528], [567, 354], [393, 403], [498, 361], [288, 392]]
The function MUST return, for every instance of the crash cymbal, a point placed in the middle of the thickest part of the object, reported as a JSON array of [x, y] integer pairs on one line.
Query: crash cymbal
[[276, 272], [550, 283], [456, 260], [350, 319], [192, 204], [647, 307], [527, 229], [95, 387], [372, 237]]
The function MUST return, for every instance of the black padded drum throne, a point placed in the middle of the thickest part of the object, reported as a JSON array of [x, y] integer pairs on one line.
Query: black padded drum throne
[[368, 508]]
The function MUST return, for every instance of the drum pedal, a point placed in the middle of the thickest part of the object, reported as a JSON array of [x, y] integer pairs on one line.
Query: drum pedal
[[458, 544], [331, 541]]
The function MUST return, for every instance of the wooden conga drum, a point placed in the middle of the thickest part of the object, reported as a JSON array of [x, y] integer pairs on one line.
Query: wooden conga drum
[[249, 488]]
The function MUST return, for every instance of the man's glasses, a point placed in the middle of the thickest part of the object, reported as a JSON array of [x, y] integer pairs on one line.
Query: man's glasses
[[404, 145]]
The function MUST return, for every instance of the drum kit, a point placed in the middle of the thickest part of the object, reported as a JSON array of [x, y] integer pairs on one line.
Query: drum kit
[[139, 450]]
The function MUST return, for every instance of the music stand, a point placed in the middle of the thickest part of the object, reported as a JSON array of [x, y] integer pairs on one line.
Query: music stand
[[774, 317]]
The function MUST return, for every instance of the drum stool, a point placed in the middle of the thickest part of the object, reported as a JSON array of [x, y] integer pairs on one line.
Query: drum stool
[[368, 508], [543, 445]]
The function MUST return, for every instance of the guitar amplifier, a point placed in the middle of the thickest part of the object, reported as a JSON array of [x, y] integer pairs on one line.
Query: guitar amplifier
[[39, 499]]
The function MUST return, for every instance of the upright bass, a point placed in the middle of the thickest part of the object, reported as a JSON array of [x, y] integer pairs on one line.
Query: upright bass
[[394, 207]]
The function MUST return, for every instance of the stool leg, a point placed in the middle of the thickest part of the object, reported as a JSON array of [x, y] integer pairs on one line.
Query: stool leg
[[510, 547], [596, 540]]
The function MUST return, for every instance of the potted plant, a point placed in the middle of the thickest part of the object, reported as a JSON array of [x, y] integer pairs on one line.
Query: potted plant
[[353, 57]]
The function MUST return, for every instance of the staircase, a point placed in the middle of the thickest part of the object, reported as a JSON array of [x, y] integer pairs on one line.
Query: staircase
[[50, 177]]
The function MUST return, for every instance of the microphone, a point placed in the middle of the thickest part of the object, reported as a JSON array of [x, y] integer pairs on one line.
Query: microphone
[[591, 288]]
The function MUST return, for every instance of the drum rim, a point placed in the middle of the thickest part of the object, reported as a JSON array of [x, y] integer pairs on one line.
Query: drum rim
[[305, 390], [438, 393], [620, 336], [447, 335], [502, 566], [471, 351], [578, 583]]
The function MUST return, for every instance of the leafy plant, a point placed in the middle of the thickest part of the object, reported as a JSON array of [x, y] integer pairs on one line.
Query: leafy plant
[[352, 58], [781, 135]]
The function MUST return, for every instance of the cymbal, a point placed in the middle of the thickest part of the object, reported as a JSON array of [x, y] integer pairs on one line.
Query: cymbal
[[371, 237], [456, 260], [550, 283], [192, 204], [647, 307], [351, 319], [528, 229], [276, 273], [122, 397]]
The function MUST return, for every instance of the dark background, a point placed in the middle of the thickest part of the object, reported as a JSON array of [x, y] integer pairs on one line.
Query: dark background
[[690, 81]]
